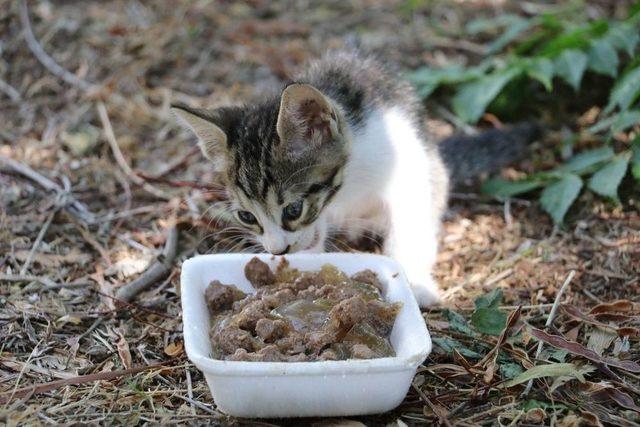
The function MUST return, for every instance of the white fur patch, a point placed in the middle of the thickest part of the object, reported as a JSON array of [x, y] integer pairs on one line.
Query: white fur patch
[[388, 187]]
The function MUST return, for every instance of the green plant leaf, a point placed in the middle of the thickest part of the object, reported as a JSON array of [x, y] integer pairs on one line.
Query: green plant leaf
[[490, 300], [458, 323], [428, 79], [541, 69], [574, 39], [606, 181], [551, 370], [510, 33], [483, 25], [617, 122], [490, 321], [603, 58], [472, 99], [499, 187], [624, 36], [559, 355], [625, 91], [570, 66], [625, 120], [448, 344], [584, 161], [510, 370], [557, 198]]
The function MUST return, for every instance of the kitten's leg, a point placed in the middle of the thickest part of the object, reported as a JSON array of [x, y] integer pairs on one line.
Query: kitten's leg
[[412, 242], [414, 219]]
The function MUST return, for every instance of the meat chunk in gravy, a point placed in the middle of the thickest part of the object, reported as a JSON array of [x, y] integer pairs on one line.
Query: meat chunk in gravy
[[221, 297], [301, 316]]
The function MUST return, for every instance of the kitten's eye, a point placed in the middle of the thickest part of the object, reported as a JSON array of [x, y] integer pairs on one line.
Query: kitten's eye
[[247, 217], [293, 210]]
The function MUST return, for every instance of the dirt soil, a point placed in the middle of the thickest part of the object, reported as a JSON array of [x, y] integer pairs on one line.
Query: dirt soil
[[85, 89]]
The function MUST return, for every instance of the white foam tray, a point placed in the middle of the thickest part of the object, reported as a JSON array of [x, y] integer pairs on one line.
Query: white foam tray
[[303, 389]]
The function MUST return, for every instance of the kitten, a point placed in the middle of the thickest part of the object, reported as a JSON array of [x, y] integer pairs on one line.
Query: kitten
[[341, 148]]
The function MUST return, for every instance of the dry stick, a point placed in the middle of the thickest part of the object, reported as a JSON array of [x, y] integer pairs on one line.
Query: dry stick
[[550, 319], [75, 208], [190, 390], [47, 282], [24, 367], [442, 417], [27, 278], [10, 91], [42, 56], [93, 243], [177, 164], [36, 244], [158, 269], [55, 68], [115, 149], [100, 376]]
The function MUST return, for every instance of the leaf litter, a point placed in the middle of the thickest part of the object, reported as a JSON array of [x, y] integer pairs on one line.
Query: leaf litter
[[72, 352]]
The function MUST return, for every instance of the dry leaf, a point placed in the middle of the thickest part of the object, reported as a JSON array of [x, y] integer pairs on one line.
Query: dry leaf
[[106, 288], [600, 340], [174, 349], [535, 415], [123, 349], [618, 396], [580, 350], [67, 318], [570, 420], [550, 370], [620, 306], [591, 419]]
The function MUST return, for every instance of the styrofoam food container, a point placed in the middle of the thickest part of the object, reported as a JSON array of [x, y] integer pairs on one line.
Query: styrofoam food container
[[301, 389]]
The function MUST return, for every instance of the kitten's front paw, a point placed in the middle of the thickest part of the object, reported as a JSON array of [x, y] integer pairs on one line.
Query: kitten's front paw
[[426, 293]]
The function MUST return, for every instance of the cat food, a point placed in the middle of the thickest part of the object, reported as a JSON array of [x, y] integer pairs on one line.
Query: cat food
[[301, 316]]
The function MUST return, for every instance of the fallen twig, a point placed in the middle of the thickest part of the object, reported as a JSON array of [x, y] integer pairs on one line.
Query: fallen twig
[[437, 410], [93, 243], [178, 163], [36, 244], [22, 371], [115, 149], [552, 315], [44, 58], [100, 376], [75, 207], [47, 282], [158, 269], [10, 91], [174, 183]]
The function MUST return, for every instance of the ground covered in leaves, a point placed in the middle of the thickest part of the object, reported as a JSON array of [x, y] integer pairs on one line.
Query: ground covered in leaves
[[116, 174]]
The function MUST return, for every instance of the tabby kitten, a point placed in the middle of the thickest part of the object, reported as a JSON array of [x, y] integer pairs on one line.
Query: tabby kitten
[[340, 148]]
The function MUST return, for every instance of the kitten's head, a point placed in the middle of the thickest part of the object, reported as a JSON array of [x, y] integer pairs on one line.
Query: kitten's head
[[282, 163]]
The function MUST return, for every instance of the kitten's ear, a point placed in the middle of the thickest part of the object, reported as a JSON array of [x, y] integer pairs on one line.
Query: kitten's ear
[[306, 118], [206, 124]]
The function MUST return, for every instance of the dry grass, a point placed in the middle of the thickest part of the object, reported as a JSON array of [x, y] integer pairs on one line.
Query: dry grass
[[70, 350]]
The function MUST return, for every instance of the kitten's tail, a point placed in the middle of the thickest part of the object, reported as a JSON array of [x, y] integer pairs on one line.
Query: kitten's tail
[[467, 157]]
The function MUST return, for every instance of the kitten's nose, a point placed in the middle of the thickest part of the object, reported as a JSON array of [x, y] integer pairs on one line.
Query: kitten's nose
[[284, 251]]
